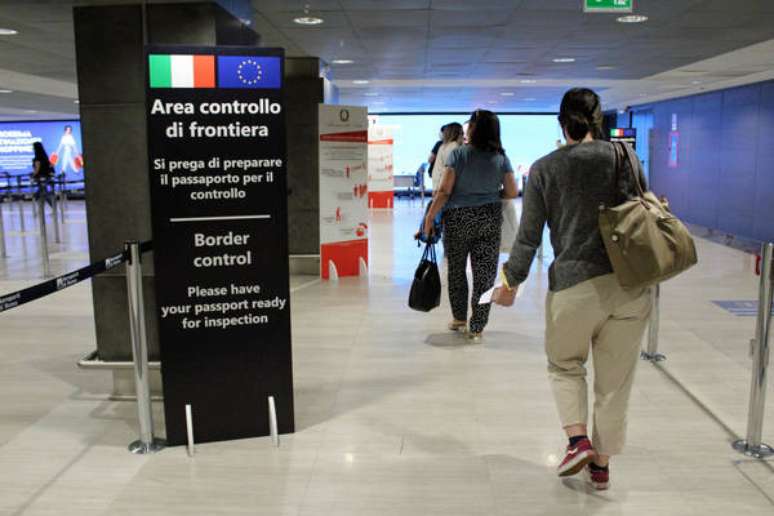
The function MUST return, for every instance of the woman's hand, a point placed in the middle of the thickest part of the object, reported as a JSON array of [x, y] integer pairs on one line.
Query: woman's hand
[[504, 296], [429, 227]]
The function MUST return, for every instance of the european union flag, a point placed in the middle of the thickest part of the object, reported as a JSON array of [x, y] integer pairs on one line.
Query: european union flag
[[249, 72]]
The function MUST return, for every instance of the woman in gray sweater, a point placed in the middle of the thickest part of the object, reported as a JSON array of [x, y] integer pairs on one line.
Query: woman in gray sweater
[[586, 308]]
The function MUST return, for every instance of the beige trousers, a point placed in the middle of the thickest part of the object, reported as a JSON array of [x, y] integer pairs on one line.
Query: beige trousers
[[600, 316]]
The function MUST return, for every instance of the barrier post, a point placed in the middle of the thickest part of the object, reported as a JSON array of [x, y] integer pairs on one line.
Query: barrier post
[[3, 253], [20, 204], [43, 236], [752, 445], [146, 443], [54, 212], [62, 198], [651, 353]]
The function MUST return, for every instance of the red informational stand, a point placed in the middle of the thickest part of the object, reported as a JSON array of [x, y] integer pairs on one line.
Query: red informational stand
[[381, 182], [345, 258], [343, 191], [384, 200]]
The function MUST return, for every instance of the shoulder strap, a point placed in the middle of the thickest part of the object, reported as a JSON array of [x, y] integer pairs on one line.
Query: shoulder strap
[[624, 153]]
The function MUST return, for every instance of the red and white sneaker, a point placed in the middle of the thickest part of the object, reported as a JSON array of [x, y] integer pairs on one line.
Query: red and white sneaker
[[598, 478], [577, 458]]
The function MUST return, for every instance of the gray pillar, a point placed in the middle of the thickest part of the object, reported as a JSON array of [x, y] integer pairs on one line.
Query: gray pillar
[[304, 90], [109, 52]]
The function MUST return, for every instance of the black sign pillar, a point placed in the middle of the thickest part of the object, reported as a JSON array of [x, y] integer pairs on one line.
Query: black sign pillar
[[216, 144]]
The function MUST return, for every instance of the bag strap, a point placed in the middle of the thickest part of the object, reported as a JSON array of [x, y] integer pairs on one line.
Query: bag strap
[[624, 154]]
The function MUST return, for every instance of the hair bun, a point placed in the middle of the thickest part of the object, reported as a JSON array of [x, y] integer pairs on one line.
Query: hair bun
[[577, 125]]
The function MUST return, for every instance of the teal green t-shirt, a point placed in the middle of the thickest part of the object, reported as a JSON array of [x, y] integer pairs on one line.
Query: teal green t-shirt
[[479, 176]]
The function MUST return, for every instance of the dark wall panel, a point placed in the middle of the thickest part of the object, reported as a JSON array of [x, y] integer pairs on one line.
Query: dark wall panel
[[725, 176]]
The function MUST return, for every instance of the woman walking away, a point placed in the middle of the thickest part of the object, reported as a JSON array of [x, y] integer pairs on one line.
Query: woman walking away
[[476, 178], [586, 308], [41, 172], [452, 138]]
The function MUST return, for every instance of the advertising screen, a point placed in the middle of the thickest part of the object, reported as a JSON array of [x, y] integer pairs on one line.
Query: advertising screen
[[61, 139]]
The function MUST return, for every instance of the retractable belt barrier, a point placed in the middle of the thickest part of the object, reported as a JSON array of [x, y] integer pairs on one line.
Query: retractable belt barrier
[[64, 281]]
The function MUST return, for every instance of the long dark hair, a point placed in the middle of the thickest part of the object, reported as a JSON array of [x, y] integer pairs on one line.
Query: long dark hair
[[40, 153], [581, 113], [485, 131]]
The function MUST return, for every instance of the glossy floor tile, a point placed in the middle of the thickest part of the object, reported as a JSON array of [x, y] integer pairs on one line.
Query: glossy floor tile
[[395, 415]]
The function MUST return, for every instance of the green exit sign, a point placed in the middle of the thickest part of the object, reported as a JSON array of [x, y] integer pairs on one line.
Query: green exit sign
[[608, 6]]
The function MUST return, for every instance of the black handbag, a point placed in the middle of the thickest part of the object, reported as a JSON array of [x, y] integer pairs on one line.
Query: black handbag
[[426, 289]]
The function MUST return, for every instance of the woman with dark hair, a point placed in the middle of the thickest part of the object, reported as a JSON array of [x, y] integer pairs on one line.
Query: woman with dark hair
[[586, 308], [476, 178], [41, 171]]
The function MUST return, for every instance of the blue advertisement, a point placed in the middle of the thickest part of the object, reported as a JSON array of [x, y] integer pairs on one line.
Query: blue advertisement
[[61, 139]]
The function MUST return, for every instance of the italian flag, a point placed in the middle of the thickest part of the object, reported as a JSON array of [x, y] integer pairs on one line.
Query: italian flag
[[179, 71]]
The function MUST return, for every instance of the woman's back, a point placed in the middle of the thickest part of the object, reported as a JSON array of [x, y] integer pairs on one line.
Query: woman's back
[[565, 189], [479, 176]]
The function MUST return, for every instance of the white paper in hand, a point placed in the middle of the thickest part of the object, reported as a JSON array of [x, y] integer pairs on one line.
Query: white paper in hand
[[486, 297]]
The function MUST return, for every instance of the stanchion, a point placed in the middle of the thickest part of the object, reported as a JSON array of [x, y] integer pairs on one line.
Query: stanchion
[[752, 445], [3, 253], [651, 353], [43, 238], [147, 443], [62, 199], [20, 205], [54, 214]]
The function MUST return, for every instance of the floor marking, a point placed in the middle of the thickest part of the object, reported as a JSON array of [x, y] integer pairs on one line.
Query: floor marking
[[204, 219], [304, 285]]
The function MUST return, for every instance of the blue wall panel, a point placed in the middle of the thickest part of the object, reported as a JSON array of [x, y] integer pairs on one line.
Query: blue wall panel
[[725, 175]]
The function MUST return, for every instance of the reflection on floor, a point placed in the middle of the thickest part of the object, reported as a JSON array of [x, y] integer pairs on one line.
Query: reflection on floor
[[395, 415]]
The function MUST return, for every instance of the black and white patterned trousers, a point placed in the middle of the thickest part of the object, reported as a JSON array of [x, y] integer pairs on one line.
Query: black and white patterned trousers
[[473, 232]]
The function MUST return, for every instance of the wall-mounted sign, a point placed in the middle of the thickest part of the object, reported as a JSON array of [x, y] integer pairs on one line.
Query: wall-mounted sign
[[674, 149], [608, 6], [343, 190], [216, 153], [627, 134]]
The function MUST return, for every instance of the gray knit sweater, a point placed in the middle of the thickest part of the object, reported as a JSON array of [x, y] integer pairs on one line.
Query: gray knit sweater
[[565, 190]]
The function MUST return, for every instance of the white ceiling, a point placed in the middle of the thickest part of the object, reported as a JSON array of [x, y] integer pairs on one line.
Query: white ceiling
[[445, 55]]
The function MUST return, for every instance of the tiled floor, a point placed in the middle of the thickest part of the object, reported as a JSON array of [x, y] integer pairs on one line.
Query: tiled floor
[[395, 416]]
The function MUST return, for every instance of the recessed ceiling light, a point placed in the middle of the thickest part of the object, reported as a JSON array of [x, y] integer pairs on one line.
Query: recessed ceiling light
[[6, 91], [529, 99], [371, 94], [695, 82], [308, 20], [360, 81], [605, 67], [507, 94], [528, 81], [378, 102], [8, 32], [564, 60], [342, 61], [76, 101], [632, 18], [492, 102], [30, 111]]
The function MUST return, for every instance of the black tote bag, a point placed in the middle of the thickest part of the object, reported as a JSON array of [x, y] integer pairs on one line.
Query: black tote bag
[[426, 288]]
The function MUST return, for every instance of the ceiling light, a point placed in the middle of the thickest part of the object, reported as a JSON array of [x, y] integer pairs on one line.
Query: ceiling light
[[492, 102], [342, 61], [6, 91], [360, 81], [371, 94], [507, 94], [308, 20], [529, 99], [632, 18], [8, 32], [30, 111], [76, 101], [564, 60], [695, 82], [605, 67], [528, 81]]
